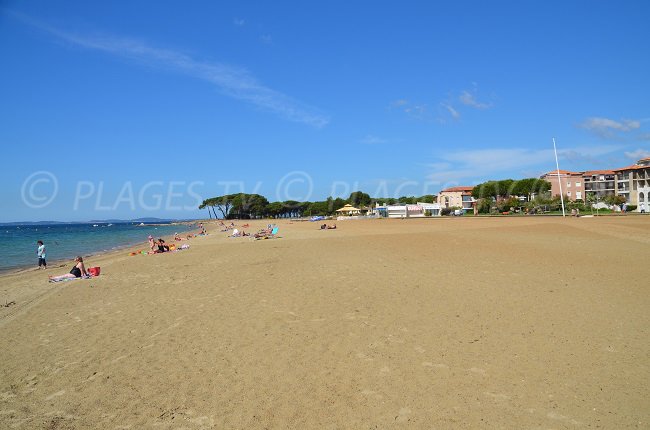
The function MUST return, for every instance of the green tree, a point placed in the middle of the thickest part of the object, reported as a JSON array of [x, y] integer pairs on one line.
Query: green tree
[[428, 198], [614, 200], [247, 205], [484, 205], [319, 208], [359, 198], [221, 203], [275, 209], [336, 204], [485, 190], [407, 200]]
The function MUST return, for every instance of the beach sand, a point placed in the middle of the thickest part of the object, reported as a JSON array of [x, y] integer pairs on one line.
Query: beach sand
[[536, 322]]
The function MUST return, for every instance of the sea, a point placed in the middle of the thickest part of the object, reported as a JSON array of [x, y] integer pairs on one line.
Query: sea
[[66, 241]]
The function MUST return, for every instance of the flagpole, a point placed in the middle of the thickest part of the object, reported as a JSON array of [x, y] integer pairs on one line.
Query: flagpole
[[557, 165]]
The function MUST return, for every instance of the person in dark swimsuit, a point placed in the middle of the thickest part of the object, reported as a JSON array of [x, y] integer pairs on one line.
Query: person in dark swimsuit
[[161, 246], [77, 271]]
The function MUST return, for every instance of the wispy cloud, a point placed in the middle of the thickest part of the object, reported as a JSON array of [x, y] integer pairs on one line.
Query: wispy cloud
[[473, 166], [372, 140], [232, 81], [238, 22], [469, 99], [451, 110], [609, 128], [446, 111], [638, 154], [417, 111]]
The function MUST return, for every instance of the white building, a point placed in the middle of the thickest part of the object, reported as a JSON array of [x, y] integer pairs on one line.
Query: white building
[[418, 210]]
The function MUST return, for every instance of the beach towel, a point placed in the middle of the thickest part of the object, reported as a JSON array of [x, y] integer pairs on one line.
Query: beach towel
[[69, 279]]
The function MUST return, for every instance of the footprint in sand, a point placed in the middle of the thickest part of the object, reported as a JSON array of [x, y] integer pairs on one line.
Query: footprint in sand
[[435, 365], [6, 396], [93, 376], [364, 357], [496, 396], [403, 415], [370, 393], [203, 421], [121, 357], [57, 394], [559, 417]]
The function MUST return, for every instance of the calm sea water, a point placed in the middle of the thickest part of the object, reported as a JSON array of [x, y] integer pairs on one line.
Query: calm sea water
[[65, 241]]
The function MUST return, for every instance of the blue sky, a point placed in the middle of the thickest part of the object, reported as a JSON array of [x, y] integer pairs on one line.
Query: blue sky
[[126, 109]]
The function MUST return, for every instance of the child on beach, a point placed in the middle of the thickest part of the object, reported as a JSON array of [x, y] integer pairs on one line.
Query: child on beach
[[40, 251], [77, 271]]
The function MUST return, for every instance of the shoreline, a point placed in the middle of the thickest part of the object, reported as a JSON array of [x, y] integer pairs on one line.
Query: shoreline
[[59, 263]]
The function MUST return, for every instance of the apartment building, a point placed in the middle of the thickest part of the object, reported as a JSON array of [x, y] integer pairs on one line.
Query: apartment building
[[460, 197], [633, 183], [599, 183], [573, 184]]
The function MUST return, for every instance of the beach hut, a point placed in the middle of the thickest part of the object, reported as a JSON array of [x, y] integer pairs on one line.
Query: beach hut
[[348, 210]]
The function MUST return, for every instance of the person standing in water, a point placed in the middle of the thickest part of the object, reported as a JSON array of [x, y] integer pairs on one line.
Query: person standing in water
[[40, 251]]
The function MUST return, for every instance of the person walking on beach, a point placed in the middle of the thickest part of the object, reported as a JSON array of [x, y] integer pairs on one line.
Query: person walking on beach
[[40, 251]]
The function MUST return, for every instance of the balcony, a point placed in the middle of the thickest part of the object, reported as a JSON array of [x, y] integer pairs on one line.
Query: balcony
[[599, 186]]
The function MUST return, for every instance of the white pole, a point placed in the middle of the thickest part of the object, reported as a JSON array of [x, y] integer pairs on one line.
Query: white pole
[[558, 178]]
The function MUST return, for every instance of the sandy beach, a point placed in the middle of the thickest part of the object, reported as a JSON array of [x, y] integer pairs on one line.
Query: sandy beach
[[537, 322]]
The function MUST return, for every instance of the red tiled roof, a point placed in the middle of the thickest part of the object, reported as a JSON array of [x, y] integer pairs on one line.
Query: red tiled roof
[[632, 167], [562, 172], [597, 172], [458, 190]]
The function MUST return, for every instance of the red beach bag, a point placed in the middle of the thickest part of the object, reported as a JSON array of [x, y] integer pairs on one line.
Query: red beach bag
[[94, 271]]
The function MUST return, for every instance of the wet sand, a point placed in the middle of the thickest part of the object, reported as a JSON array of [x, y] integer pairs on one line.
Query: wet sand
[[437, 323]]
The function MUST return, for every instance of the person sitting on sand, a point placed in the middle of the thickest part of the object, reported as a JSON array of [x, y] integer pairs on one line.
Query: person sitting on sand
[[161, 246], [177, 237], [323, 227], [152, 243], [77, 271]]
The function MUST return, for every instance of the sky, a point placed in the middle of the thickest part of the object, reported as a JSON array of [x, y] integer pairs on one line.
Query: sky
[[129, 109]]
